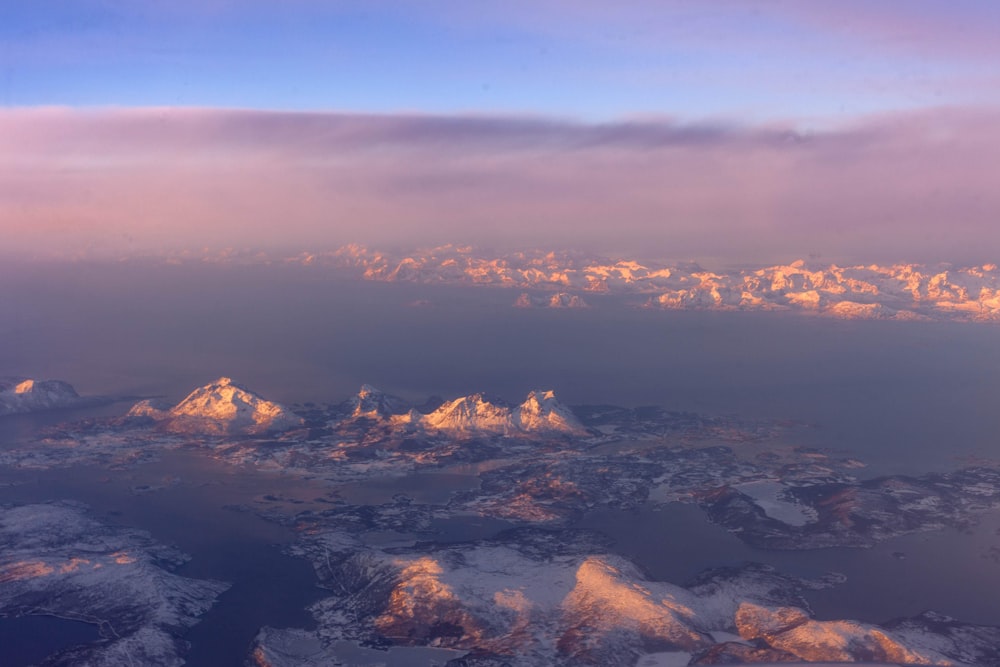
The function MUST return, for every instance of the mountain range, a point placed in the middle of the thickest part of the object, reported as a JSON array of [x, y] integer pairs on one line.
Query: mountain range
[[540, 412], [863, 291], [223, 407]]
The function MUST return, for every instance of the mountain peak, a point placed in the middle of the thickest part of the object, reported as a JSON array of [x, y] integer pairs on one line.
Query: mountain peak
[[475, 412], [542, 411], [221, 407], [21, 394], [373, 403], [540, 396]]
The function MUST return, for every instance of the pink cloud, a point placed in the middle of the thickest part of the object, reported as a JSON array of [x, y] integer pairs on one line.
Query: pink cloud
[[916, 186]]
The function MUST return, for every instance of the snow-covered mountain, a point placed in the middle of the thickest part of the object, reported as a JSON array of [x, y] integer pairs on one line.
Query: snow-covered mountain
[[544, 599], [557, 300], [224, 407], [376, 404], [221, 407], [474, 413], [891, 291], [19, 395], [541, 412]]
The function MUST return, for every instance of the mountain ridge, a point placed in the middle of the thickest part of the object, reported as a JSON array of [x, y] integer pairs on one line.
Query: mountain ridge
[[898, 291], [225, 407], [220, 407]]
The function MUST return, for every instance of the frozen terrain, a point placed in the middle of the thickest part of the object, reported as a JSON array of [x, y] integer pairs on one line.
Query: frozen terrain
[[222, 407], [547, 598], [18, 395], [55, 560], [538, 593]]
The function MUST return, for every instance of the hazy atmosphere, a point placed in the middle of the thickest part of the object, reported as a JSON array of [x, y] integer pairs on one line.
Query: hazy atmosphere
[[914, 186]]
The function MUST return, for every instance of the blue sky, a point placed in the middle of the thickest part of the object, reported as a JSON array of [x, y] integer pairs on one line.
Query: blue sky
[[596, 61]]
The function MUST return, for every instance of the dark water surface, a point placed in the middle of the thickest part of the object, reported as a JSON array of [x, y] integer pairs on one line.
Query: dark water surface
[[26, 640]]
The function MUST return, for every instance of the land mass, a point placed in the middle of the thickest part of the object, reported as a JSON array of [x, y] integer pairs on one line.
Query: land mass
[[540, 592]]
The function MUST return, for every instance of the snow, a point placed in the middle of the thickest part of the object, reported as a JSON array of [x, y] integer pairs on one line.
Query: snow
[[767, 496], [56, 560], [548, 599], [218, 408], [472, 413], [842, 641], [557, 300], [540, 412], [721, 637], [19, 395], [373, 403], [611, 595], [151, 408]]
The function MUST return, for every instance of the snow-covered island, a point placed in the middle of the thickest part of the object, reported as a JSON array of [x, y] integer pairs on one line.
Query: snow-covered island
[[533, 598], [20, 395], [221, 407], [56, 560]]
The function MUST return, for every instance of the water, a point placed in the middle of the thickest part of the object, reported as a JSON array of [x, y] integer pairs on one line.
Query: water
[[27, 640]]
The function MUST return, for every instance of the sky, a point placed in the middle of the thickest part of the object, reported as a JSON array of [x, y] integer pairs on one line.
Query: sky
[[743, 131]]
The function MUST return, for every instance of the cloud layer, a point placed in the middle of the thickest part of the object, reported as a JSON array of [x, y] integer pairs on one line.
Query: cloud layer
[[918, 186]]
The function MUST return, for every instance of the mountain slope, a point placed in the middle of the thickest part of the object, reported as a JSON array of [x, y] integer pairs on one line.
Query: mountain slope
[[375, 404], [18, 395], [539, 599], [540, 413], [218, 408]]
